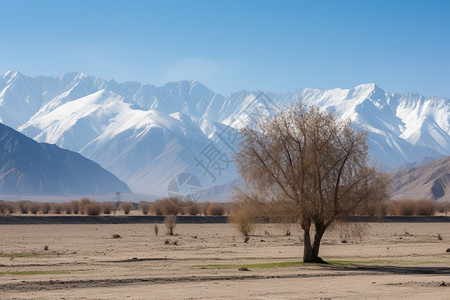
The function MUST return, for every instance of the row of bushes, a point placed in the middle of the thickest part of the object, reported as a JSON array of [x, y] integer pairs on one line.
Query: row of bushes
[[405, 207], [166, 206]]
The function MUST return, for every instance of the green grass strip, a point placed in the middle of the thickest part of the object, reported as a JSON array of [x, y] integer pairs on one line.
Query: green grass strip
[[34, 273]]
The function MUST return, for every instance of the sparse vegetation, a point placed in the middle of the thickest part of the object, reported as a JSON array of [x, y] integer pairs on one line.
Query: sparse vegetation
[[193, 208], [215, 209], [144, 207], [170, 221], [75, 206], [57, 208], [243, 220], [171, 205], [84, 202], [426, 207], [165, 206], [126, 207], [22, 206], [156, 229], [94, 208], [34, 207], [109, 207]]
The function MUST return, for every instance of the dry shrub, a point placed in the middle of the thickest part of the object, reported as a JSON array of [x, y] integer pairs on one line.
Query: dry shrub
[[6, 207], [156, 229], [126, 207], [371, 209], [75, 204], [204, 207], [144, 207], [57, 208], [10, 207], [243, 220], [68, 208], [156, 208], [84, 202], [170, 221], [2, 207], [45, 208], [22, 206], [348, 230], [33, 207], [94, 208], [426, 207], [405, 207], [215, 209], [444, 207], [171, 205], [193, 209], [384, 208], [109, 207]]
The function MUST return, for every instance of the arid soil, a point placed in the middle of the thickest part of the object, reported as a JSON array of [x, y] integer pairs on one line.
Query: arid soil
[[211, 261]]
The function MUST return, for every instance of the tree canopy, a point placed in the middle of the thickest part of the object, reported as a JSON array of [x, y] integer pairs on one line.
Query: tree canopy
[[308, 166]]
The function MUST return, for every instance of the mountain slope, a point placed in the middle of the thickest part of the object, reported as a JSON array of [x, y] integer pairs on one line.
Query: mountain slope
[[27, 167], [430, 181], [146, 134]]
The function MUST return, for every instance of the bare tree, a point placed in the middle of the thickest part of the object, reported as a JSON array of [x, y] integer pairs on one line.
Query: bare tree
[[307, 166]]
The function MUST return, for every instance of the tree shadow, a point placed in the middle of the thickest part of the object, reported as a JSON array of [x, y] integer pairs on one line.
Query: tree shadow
[[397, 269]]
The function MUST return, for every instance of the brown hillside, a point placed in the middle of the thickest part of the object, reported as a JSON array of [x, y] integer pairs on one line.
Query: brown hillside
[[425, 181]]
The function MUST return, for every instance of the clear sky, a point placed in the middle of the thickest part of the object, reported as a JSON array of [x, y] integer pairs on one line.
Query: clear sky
[[403, 46]]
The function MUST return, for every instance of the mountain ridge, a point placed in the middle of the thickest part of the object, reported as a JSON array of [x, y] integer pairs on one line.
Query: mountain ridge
[[28, 167], [75, 110]]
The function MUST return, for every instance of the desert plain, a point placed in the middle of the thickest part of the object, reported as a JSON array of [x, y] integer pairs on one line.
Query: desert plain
[[212, 261]]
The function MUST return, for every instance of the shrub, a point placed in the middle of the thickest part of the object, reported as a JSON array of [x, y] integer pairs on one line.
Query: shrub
[[144, 207], [406, 207], [243, 220], [45, 207], [426, 207], [67, 208], [2, 207], [215, 209], [84, 202], [156, 208], [10, 207], [126, 207], [443, 207], [22, 206], [75, 204], [156, 229], [57, 208], [193, 209], [171, 205], [109, 207], [34, 207], [204, 208], [93, 208], [170, 221]]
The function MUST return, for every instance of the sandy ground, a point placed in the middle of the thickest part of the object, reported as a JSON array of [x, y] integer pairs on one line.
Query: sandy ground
[[389, 261]]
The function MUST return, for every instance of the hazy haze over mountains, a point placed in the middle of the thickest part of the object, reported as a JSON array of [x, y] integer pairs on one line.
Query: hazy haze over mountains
[[146, 134]]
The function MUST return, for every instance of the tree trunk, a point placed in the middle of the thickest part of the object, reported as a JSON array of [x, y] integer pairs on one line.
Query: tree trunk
[[311, 251], [307, 249], [320, 230]]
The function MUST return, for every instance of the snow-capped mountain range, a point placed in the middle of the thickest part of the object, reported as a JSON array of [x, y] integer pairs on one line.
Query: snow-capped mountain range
[[146, 135]]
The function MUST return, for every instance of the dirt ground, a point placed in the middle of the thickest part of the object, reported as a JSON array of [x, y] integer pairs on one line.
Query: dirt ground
[[387, 260]]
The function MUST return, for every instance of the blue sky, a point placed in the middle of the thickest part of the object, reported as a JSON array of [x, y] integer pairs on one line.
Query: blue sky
[[403, 46]]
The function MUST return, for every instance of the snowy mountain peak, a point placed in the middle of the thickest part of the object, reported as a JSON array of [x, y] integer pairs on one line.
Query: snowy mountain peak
[[146, 134]]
